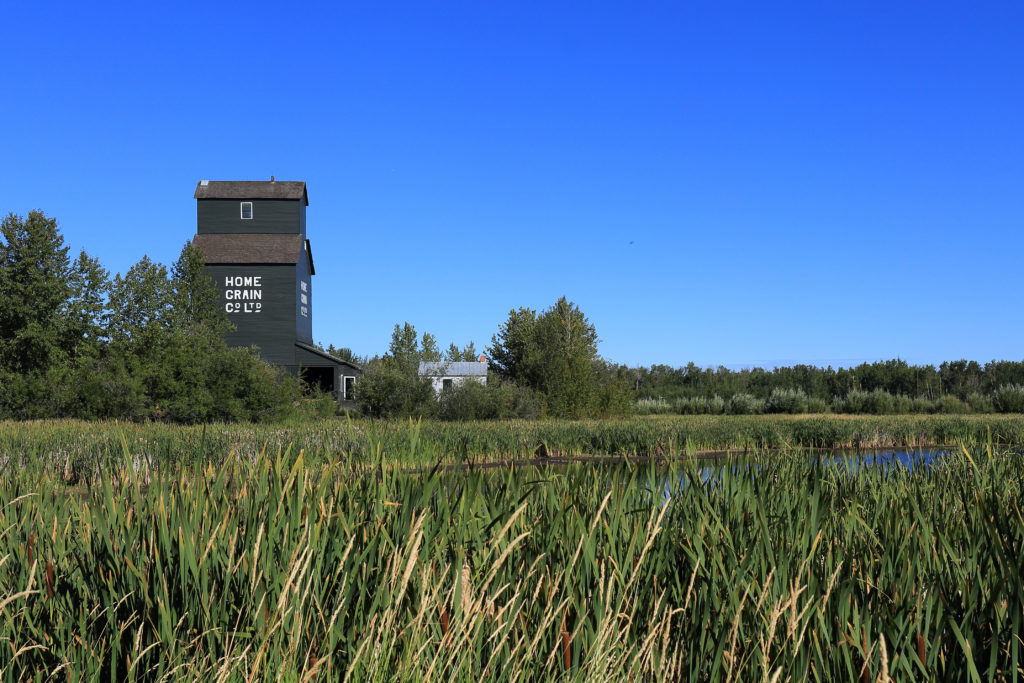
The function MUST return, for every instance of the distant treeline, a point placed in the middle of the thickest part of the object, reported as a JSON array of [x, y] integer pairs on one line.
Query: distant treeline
[[884, 387]]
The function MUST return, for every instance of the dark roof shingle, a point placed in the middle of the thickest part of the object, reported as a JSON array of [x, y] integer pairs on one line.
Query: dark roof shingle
[[252, 189], [247, 248]]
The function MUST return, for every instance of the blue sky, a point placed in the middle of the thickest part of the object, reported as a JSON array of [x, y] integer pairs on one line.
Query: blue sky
[[722, 182]]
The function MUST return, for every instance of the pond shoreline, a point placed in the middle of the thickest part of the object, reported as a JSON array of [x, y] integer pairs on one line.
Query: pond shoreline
[[699, 456]]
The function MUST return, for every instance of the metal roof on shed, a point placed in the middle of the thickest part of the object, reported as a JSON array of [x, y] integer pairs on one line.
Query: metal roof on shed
[[453, 368], [249, 248], [252, 189]]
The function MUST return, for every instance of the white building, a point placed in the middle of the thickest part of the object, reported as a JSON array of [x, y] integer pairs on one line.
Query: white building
[[444, 374]]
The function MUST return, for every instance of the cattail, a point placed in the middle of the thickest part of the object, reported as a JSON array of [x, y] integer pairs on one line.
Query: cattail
[[920, 649], [444, 621], [49, 580], [31, 540], [566, 650]]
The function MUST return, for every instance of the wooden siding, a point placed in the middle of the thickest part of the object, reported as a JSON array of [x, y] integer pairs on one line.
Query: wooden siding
[[220, 216], [272, 329], [303, 324]]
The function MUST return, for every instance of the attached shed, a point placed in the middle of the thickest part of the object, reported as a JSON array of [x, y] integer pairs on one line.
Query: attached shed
[[445, 374], [253, 237]]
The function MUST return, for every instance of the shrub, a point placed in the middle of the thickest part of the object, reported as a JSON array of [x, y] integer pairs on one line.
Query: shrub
[[879, 402], [923, 406], [389, 391], [692, 406], [902, 404], [652, 406], [980, 403], [467, 401], [816, 405], [716, 405], [791, 401], [745, 404], [474, 401], [1009, 398], [856, 402], [950, 405]]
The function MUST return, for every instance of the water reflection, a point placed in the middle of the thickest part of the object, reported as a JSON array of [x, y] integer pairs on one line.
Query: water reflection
[[852, 462]]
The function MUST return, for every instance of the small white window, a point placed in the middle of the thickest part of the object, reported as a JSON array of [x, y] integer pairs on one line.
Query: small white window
[[246, 211]]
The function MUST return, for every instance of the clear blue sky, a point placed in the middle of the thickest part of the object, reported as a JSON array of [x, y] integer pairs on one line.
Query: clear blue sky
[[722, 182]]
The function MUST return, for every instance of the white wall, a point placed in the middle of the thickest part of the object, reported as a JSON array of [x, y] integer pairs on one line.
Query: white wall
[[457, 380]]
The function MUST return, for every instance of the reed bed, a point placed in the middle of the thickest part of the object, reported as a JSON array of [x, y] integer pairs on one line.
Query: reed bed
[[283, 567], [83, 446]]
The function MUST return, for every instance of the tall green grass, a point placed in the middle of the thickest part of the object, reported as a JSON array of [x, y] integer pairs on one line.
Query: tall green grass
[[82, 447], [285, 567]]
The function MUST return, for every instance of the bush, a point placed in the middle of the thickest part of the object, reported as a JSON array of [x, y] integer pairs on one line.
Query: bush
[[692, 406], [950, 405], [856, 402], [791, 401], [1009, 398], [475, 401], [652, 406], [716, 405], [390, 391], [467, 401], [816, 405], [745, 404], [923, 406], [903, 405], [980, 403], [879, 402]]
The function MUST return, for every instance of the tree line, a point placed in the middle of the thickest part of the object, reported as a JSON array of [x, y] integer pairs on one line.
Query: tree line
[[76, 343], [892, 386], [539, 364]]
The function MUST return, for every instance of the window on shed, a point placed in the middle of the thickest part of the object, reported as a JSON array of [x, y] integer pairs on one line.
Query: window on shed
[[246, 211], [447, 384]]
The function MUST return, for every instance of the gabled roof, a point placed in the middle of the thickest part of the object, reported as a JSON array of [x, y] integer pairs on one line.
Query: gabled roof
[[453, 368], [249, 248], [252, 189], [318, 358]]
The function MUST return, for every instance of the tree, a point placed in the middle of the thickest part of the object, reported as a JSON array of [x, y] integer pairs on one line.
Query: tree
[[195, 300], [514, 348], [552, 353], [140, 306], [566, 349], [34, 292], [85, 313], [466, 354], [404, 350], [428, 349]]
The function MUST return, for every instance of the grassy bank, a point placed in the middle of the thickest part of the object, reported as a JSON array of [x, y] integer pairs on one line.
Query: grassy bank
[[83, 444], [281, 567]]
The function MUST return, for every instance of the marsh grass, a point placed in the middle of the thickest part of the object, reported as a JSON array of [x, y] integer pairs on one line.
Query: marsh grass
[[83, 449], [286, 567]]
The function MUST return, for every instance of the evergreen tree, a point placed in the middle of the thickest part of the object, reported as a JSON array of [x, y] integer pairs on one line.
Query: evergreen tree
[[85, 313], [552, 353], [34, 292], [513, 349]]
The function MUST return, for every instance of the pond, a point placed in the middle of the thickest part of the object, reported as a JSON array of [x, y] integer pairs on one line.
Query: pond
[[852, 462]]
